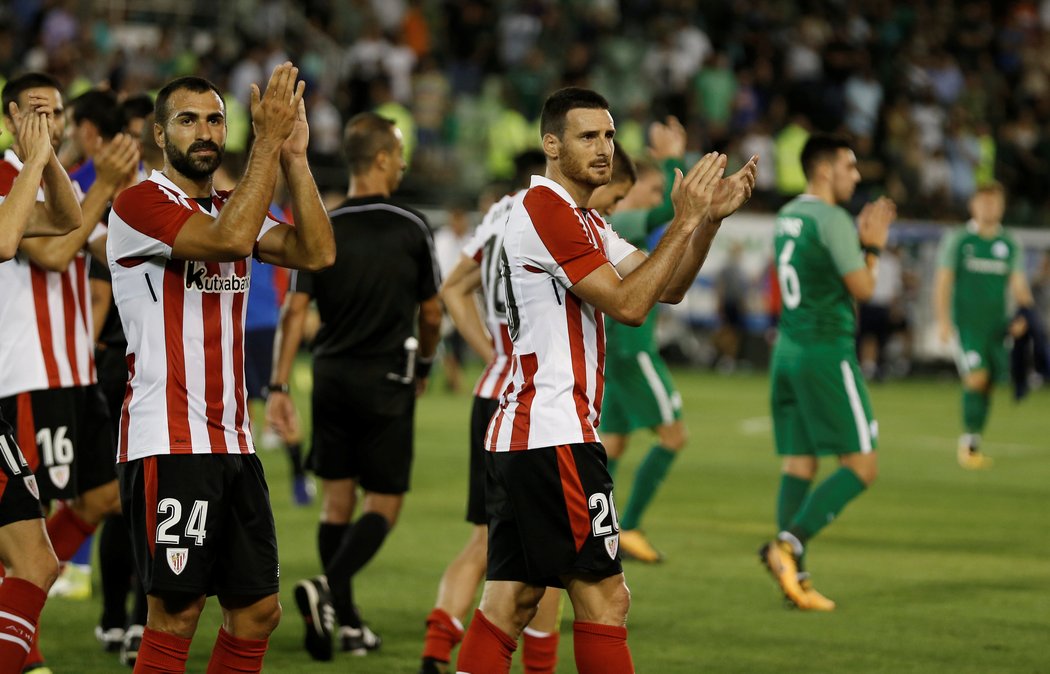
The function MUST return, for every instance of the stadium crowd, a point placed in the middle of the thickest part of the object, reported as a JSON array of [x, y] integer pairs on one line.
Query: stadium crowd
[[940, 96]]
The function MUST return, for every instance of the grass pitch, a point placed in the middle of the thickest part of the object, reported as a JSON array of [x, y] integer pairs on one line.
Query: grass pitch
[[935, 570]]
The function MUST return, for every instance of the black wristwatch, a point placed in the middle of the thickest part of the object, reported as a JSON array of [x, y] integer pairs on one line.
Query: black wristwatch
[[275, 388], [872, 250]]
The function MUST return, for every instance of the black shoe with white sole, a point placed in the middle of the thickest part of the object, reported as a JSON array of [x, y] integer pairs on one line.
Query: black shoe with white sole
[[315, 605], [358, 641]]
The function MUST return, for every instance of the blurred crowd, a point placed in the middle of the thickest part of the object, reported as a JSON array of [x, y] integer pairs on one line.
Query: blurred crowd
[[939, 94]]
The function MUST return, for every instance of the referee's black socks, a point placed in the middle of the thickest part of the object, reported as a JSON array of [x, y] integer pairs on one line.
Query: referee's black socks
[[360, 543]]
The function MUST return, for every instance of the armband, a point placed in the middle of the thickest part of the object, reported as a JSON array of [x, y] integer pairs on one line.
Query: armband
[[276, 388], [872, 250], [423, 366]]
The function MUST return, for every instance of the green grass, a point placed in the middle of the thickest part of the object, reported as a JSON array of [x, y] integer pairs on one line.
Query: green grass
[[935, 570]]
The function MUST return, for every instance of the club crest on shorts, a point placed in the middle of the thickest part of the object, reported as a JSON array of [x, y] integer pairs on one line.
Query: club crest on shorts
[[612, 544], [177, 558], [31, 485], [59, 476]]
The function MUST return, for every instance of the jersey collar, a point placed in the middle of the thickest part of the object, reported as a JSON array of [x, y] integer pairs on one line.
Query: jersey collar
[[161, 179], [971, 227], [543, 181]]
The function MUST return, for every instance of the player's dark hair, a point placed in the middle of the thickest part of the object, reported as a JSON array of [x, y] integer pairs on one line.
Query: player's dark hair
[[365, 136], [16, 85], [623, 166], [100, 107], [527, 164], [821, 147], [197, 85], [558, 105], [139, 106]]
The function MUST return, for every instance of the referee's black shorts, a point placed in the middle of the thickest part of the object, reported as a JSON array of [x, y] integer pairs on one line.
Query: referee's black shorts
[[480, 415], [552, 515], [362, 426]]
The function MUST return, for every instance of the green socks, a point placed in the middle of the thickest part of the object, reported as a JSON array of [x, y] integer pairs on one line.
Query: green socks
[[793, 491], [651, 473], [975, 410], [825, 503], [610, 465]]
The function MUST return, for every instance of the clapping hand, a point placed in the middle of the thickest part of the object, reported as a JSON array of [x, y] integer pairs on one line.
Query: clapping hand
[[275, 112]]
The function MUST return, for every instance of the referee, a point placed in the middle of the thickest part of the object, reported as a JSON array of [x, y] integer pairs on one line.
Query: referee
[[368, 369]]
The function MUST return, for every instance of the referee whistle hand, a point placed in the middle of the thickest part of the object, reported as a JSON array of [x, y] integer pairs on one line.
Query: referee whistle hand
[[276, 111]]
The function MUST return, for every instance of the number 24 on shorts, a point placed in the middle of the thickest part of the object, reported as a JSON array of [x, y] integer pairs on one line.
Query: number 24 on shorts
[[196, 523]]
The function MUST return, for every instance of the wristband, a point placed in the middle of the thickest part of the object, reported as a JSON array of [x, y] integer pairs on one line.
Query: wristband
[[872, 250], [423, 366], [276, 388]]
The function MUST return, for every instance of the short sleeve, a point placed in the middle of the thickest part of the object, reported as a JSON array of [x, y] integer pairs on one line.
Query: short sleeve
[[572, 250], [301, 282], [617, 247], [426, 258], [948, 251], [839, 236], [153, 214]]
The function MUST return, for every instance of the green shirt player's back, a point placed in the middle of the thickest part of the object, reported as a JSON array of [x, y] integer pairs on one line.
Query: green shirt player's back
[[982, 269], [816, 245]]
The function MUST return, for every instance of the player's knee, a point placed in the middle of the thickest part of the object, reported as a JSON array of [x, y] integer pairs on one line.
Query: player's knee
[[268, 618], [177, 615], [977, 381], [674, 437], [43, 569]]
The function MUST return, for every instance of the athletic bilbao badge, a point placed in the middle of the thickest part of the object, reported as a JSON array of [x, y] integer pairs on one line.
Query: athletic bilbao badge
[[177, 559], [59, 475], [612, 544], [30, 481]]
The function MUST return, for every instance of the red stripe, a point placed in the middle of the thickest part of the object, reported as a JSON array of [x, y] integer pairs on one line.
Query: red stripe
[[578, 353], [175, 385], [508, 349], [565, 237], [519, 434], [240, 269], [211, 316], [82, 301], [599, 386], [43, 324], [149, 486], [125, 417], [69, 322], [575, 498], [26, 431], [497, 419]]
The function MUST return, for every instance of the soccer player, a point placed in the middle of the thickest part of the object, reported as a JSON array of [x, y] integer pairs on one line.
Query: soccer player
[[30, 565], [48, 388], [640, 392], [819, 402], [478, 269], [192, 488], [552, 520], [977, 267], [368, 370]]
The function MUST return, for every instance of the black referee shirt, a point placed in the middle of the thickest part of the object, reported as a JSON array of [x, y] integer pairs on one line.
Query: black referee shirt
[[384, 267]]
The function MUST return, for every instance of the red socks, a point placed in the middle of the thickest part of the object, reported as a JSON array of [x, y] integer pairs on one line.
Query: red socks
[[443, 633], [162, 653], [601, 649], [540, 653], [20, 605], [234, 654], [486, 649], [67, 532]]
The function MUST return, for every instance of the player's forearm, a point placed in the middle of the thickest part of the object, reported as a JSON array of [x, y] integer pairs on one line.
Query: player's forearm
[[463, 309], [942, 295], [287, 340], [60, 198], [690, 264], [429, 327], [242, 217], [643, 287], [312, 245], [16, 211]]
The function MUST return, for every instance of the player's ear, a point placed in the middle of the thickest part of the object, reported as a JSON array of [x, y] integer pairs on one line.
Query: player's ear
[[158, 135], [551, 146]]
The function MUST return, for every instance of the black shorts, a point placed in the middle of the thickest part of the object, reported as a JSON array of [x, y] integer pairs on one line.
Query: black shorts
[[362, 427], [258, 360], [201, 524], [19, 496], [480, 415], [66, 435], [552, 515]]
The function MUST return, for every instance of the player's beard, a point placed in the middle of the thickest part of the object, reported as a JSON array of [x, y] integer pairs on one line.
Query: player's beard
[[576, 170], [194, 167]]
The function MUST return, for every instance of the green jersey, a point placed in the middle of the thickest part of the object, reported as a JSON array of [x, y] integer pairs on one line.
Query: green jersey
[[816, 245], [635, 226], [982, 269]]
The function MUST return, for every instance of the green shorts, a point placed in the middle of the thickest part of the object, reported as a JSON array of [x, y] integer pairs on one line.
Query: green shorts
[[639, 393], [982, 350], [819, 401]]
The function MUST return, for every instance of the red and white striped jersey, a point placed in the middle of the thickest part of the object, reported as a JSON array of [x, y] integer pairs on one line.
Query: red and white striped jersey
[[484, 247], [47, 340], [558, 361], [184, 321]]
